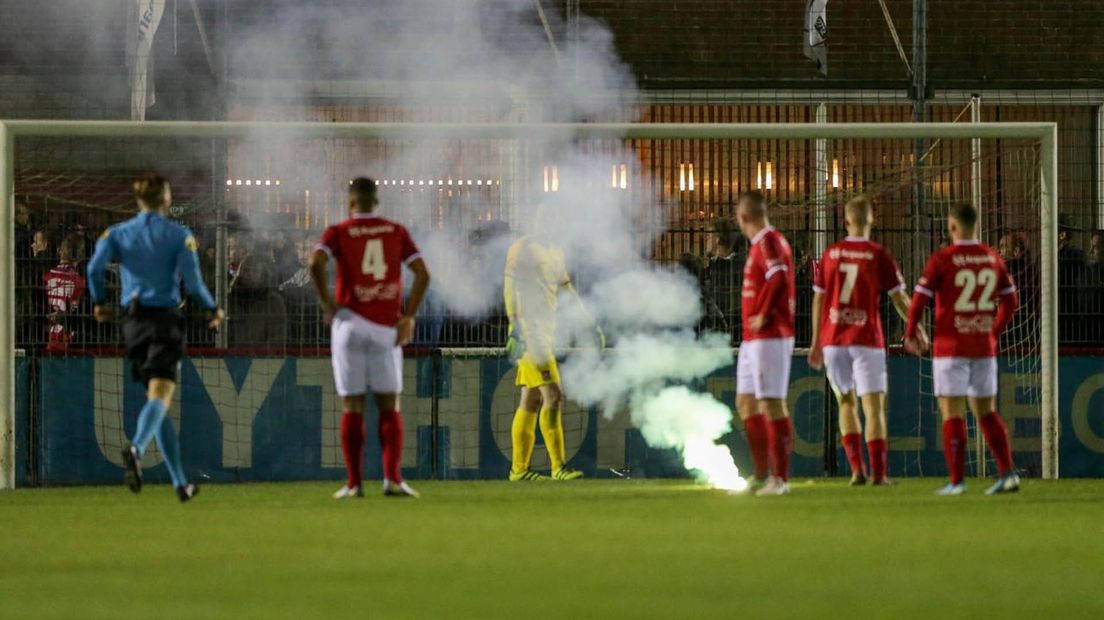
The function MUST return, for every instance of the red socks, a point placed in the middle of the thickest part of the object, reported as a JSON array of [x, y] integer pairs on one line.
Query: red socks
[[954, 447], [997, 436], [878, 467], [781, 444], [352, 443], [852, 446], [758, 438], [391, 442]]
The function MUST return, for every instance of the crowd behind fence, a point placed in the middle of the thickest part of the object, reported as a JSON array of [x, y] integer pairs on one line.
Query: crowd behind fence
[[272, 305]]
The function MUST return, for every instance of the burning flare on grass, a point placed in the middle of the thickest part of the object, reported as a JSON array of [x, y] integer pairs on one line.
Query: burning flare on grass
[[691, 423]]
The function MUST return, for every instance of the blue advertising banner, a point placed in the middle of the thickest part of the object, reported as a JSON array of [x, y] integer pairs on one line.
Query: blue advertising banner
[[278, 419], [22, 420]]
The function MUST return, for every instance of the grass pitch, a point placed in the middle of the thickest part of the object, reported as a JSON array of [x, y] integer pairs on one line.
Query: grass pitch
[[591, 549]]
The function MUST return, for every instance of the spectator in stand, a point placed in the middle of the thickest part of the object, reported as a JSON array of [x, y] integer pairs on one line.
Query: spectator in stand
[[723, 275], [285, 255], [257, 315], [1071, 269], [1092, 289], [64, 286], [304, 319], [23, 232], [712, 318], [1013, 249], [30, 275], [25, 282], [80, 243]]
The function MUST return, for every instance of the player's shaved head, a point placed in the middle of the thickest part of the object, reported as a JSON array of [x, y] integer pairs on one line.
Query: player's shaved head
[[859, 211], [965, 214], [752, 204], [362, 195], [151, 191]]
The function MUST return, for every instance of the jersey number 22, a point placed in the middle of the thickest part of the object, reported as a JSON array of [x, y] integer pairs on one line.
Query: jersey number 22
[[968, 281]]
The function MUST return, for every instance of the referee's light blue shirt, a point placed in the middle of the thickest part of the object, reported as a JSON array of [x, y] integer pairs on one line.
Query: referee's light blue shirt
[[155, 255]]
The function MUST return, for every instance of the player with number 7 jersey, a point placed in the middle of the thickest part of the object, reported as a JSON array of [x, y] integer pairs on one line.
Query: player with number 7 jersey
[[847, 335], [369, 326], [974, 301]]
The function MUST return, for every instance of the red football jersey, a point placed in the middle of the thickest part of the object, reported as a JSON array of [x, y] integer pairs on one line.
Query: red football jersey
[[966, 279], [853, 274], [64, 286], [769, 257], [370, 252]]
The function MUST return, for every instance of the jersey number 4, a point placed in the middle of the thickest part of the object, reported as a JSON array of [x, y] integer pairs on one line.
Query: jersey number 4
[[968, 281], [373, 263]]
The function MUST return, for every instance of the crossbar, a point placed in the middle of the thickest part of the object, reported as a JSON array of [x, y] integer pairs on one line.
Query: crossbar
[[612, 131]]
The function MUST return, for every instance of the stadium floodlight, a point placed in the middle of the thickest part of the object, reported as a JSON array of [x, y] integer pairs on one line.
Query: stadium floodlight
[[1043, 179]]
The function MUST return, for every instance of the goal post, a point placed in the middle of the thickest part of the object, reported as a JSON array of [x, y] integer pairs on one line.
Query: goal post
[[1043, 134]]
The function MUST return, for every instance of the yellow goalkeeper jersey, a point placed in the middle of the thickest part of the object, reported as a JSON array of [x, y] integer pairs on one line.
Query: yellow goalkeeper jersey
[[535, 272]]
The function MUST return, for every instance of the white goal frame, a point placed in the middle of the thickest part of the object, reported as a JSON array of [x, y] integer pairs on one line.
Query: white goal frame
[[1045, 133]]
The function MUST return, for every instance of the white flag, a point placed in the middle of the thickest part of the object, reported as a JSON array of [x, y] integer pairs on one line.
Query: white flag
[[816, 33], [143, 25]]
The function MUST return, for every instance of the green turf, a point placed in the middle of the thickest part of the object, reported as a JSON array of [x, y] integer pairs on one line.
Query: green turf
[[566, 550]]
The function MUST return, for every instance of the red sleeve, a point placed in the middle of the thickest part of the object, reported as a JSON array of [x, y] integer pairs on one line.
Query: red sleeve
[[408, 251], [774, 291], [329, 242], [773, 253], [1007, 307], [818, 273], [929, 281], [889, 273], [916, 310]]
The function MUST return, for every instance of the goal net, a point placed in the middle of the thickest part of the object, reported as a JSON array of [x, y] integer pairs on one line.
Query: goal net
[[641, 210]]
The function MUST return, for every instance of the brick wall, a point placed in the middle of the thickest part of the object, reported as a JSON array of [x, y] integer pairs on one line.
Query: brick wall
[[994, 43]]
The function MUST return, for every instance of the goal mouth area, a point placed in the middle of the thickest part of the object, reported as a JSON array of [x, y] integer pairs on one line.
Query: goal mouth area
[[1003, 135]]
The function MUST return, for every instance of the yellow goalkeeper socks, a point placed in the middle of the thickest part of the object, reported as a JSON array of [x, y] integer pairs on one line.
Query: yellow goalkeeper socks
[[551, 423], [524, 432]]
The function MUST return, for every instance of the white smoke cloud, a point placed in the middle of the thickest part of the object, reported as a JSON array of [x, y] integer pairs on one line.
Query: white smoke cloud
[[491, 62]]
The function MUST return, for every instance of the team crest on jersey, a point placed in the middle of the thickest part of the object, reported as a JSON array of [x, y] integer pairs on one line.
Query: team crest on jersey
[[546, 375], [190, 244]]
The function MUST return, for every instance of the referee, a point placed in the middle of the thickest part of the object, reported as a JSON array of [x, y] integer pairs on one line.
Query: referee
[[155, 255]]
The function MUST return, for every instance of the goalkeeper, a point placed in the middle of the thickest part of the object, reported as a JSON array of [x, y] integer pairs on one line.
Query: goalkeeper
[[535, 274]]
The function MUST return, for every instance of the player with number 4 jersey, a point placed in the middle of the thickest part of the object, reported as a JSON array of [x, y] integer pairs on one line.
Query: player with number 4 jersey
[[974, 301], [369, 326], [847, 335]]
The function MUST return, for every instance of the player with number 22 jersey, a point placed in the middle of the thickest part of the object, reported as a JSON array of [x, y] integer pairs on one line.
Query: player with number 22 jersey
[[974, 301]]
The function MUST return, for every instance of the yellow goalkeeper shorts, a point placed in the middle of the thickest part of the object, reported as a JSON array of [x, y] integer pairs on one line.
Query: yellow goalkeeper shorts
[[532, 375]]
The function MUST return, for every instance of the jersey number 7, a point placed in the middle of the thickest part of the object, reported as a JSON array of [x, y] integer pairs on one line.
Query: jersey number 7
[[373, 263], [850, 274]]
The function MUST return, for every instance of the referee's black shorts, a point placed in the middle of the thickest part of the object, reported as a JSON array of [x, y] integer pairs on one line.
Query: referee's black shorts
[[154, 339]]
